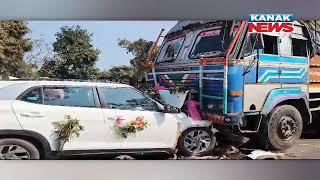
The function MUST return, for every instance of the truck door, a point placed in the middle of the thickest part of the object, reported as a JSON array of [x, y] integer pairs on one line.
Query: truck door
[[261, 71], [250, 59], [269, 60], [293, 58]]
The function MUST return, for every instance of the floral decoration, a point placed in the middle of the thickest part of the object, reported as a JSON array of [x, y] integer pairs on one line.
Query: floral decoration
[[125, 129], [66, 130]]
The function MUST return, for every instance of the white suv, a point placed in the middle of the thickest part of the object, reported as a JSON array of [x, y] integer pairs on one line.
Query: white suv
[[28, 109]]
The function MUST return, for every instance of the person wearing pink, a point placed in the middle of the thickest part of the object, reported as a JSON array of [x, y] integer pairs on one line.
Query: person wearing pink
[[192, 107], [158, 87]]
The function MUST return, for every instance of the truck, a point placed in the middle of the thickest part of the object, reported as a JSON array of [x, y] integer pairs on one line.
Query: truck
[[261, 85]]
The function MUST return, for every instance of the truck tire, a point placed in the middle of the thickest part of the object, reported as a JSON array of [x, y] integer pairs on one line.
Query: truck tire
[[17, 149], [281, 129], [196, 142]]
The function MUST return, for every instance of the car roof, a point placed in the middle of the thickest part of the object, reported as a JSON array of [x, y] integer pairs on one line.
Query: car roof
[[62, 83], [10, 90]]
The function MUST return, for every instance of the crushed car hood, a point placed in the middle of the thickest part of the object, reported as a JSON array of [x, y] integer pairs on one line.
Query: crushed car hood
[[175, 100]]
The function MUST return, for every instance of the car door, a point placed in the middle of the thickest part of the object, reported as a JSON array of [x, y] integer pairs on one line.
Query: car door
[[124, 105], [41, 106]]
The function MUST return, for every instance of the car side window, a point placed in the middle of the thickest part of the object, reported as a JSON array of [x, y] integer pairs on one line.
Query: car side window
[[69, 96], [33, 96], [126, 99]]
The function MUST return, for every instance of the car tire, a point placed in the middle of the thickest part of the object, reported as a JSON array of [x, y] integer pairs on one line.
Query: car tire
[[281, 129], [198, 135], [18, 149]]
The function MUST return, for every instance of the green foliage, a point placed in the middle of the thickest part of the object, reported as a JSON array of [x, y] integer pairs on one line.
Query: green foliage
[[66, 130], [41, 52], [139, 49], [151, 92], [13, 45], [75, 55], [48, 68], [121, 74]]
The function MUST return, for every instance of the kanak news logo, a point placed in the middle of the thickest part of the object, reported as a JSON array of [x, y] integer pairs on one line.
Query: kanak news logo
[[270, 23]]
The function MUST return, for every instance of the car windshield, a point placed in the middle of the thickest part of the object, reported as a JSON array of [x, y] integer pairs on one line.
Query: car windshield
[[208, 44], [170, 49]]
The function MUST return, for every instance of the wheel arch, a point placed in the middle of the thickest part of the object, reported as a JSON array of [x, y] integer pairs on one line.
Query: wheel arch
[[33, 137], [180, 134], [288, 96], [301, 106]]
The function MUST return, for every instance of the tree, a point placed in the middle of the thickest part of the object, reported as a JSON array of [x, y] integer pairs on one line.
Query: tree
[[121, 74], [48, 68], [75, 55], [13, 45], [139, 49], [40, 53]]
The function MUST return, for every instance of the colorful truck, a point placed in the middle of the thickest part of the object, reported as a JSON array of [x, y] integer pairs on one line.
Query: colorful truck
[[265, 85]]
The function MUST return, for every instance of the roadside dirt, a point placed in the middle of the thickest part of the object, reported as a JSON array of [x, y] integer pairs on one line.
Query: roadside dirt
[[304, 149]]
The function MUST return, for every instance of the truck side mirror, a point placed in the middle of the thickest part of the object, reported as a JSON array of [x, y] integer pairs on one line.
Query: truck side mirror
[[257, 40]]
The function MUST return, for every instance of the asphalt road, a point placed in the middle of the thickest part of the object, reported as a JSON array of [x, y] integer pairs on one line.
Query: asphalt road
[[308, 147], [304, 149]]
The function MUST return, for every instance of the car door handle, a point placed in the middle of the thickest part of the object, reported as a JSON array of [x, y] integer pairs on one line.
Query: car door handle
[[111, 118], [32, 114], [115, 118]]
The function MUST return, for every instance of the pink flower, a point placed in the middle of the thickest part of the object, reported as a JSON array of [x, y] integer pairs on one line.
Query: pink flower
[[119, 121]]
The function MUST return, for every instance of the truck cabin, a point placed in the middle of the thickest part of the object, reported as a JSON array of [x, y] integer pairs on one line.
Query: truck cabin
[[240, 70]]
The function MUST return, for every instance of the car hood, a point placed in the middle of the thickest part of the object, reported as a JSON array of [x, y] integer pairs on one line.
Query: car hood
[[176, 100]]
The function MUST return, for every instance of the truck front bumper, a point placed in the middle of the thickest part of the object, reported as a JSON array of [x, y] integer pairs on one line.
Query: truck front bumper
[[227, 119]]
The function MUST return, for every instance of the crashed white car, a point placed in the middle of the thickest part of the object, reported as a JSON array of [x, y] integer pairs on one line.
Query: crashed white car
[[28, 110]]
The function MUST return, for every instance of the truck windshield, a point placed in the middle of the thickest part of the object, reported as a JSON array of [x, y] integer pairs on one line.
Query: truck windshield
[[170, 49], [209, 44]]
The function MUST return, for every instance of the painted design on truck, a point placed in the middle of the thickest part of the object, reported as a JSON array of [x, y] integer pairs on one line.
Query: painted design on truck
[[289, 76], [277, 96], [278, 69]]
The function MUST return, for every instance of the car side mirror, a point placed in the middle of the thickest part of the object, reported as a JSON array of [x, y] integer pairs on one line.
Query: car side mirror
[[161, 107], [171, 109], [168, 108]]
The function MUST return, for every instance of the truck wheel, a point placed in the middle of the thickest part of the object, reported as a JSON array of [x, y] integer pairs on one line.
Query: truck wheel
[[17, 149], [196, 142], [282, 129]]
